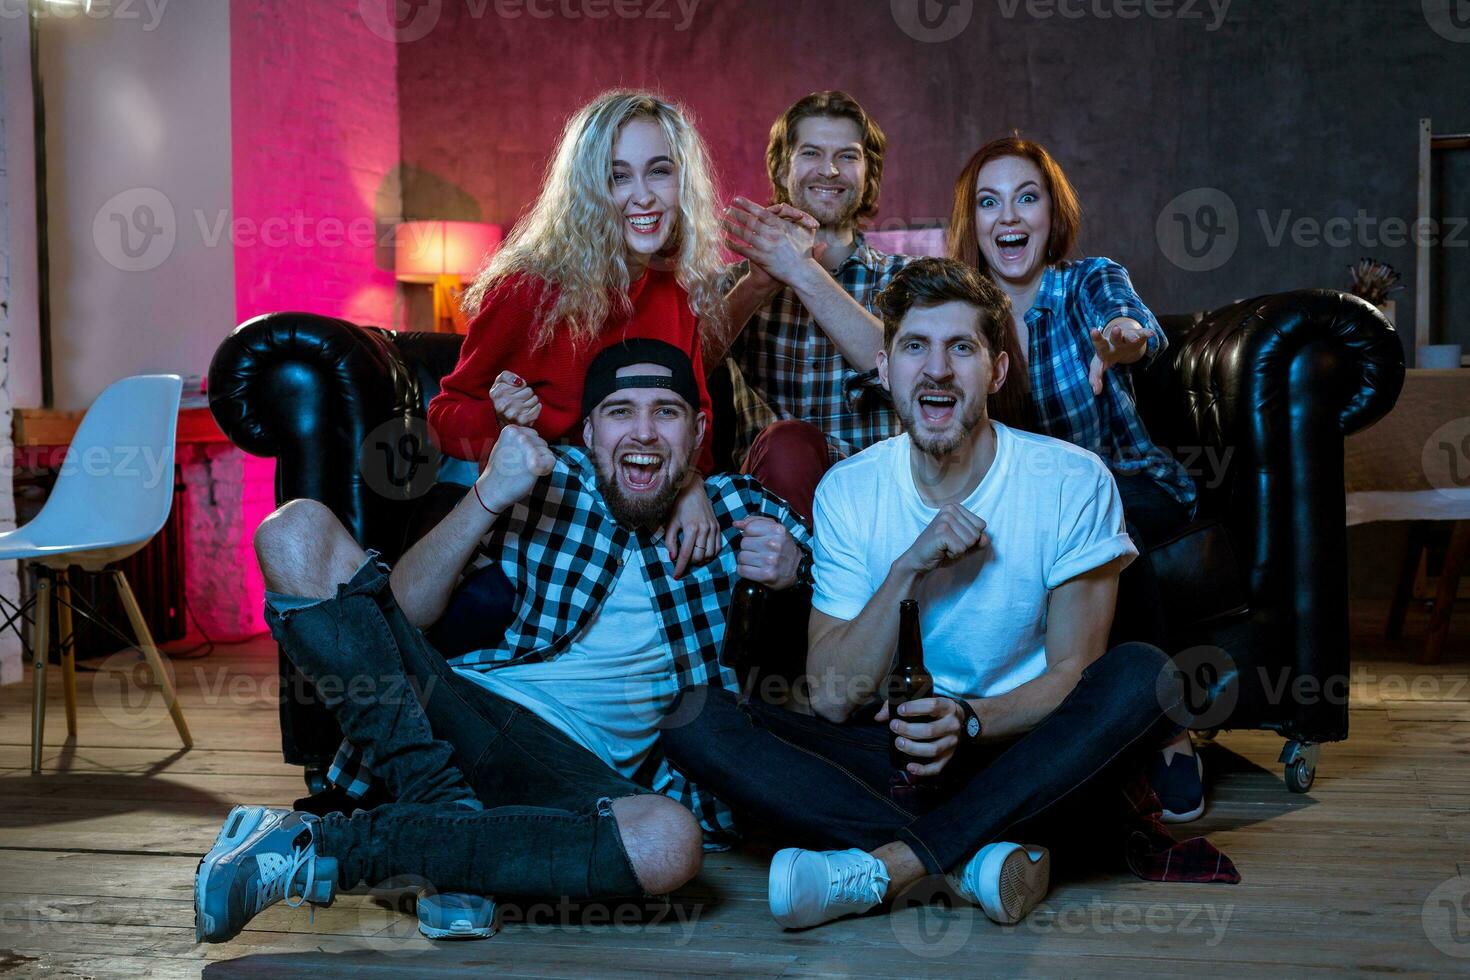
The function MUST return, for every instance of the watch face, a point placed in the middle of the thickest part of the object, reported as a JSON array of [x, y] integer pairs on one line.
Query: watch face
[[972, 728]]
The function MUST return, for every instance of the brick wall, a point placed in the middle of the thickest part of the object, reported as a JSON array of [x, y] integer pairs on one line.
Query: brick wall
[[314, 128], [10, 652]]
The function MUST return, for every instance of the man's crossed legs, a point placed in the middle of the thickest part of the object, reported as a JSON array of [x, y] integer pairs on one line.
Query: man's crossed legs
[[489, 799], [824, 785]]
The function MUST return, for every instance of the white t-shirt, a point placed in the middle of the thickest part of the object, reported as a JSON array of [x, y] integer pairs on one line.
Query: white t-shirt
[[609, 688], [1052, 512]]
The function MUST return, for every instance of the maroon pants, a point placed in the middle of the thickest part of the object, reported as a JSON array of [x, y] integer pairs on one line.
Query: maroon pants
[[790, 458]]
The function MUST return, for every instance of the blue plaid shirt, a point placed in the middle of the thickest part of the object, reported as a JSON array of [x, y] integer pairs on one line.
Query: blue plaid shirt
[[561, 549], [1075, 297]]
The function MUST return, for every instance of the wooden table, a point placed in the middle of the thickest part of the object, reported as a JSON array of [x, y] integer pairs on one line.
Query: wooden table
[[53, 427], [1414, 465]]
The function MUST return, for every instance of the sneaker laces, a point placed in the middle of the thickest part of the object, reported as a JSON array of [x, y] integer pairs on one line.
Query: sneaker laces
[[277, 872], [859, 882]]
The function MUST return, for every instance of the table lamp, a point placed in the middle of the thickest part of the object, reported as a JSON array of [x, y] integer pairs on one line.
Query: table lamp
[[443, 253]]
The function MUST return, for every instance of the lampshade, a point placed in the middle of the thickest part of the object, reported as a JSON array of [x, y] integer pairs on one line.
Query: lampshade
[[425, 250]]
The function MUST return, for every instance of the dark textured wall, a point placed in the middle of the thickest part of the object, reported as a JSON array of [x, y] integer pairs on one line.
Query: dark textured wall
[[1292, 110]]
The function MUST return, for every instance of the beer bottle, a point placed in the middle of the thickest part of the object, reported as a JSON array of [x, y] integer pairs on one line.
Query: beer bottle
[[909, 680], [743, 631]]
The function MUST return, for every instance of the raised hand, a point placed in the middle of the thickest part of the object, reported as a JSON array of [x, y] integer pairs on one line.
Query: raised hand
[[780, 239], [515, 403], [1122, 341], [519, 459], [953, 533]]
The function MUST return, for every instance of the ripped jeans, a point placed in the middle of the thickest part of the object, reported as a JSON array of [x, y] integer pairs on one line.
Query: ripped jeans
[[489, 799]]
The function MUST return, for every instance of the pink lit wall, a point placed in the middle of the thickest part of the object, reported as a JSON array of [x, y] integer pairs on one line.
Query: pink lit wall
[[314, 127]]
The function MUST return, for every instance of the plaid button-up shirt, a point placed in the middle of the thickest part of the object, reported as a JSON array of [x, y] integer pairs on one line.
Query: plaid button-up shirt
[[1073, 298], [562, 550], [784, 366]]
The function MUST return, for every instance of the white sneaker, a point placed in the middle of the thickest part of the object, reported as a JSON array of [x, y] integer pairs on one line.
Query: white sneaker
[[1005, 880], [811, 887]]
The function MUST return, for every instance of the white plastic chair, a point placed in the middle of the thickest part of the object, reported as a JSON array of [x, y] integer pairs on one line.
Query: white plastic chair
[[112, 496]]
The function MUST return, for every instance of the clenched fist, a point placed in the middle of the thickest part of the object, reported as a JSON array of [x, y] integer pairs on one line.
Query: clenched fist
[[519, 459], [515, 403], [953, 533], [768, 553]]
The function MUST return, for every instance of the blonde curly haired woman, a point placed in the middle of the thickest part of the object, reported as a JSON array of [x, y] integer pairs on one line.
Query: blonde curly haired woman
[[622, 242]]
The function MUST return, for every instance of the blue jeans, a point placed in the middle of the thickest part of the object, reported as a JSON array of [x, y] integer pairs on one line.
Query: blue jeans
[[826, 785], [489, 798]]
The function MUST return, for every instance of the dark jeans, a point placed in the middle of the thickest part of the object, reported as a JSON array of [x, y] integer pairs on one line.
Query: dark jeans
[[826, 785], [789, 458], [1151, 515], [446, 749]]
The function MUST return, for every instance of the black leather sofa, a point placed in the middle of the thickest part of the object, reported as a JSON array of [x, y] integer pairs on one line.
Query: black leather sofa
[[1256, 399]]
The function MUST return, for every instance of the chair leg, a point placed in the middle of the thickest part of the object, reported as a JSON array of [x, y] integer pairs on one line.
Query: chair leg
[[145, 641], [1404, 591], [64, 640], [1449, 584], [41, 583]]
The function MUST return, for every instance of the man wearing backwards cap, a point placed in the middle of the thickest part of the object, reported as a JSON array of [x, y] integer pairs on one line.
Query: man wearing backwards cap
[[562, 715]]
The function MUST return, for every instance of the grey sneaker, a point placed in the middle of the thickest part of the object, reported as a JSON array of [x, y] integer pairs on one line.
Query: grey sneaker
[[811, 887], [276, 859], [1006, 880], [455, 915]]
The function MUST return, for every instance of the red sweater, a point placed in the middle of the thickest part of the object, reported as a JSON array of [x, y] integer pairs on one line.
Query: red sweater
[[462, 416]]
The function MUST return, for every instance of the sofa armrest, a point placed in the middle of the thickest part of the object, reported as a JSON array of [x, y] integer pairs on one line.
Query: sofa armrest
[[308, 390], [1271, 387]]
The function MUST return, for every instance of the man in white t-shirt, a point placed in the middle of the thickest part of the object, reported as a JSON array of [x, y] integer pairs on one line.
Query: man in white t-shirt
[[1011, 544]]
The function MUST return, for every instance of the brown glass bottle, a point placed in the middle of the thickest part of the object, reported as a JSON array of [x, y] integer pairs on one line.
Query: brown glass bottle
[[909, 680], [742, 632]]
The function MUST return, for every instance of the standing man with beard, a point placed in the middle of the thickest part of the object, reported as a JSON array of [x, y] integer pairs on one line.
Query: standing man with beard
[[802, 339], [1011, 544], [531, 767]]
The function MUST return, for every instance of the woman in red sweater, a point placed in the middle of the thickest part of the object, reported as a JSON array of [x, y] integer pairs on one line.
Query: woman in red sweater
[[623, 242]]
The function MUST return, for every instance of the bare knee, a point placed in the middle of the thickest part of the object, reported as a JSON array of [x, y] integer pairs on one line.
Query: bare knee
[[663, 841], [304, 550]]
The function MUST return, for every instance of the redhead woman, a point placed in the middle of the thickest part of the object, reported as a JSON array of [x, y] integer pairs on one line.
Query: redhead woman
[[1016, 218], [622, 242]]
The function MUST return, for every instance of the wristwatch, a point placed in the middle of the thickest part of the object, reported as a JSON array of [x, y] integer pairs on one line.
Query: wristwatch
[[970, 729]]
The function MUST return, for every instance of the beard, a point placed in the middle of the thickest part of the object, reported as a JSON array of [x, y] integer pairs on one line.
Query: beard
[[969, 413], [830, 214], [646, 511]]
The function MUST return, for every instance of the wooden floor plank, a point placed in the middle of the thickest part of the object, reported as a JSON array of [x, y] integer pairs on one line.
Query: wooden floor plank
[[1363, 873]]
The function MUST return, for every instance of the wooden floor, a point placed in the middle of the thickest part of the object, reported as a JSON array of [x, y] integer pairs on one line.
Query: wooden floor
[[1369, 871]]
